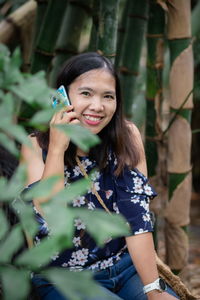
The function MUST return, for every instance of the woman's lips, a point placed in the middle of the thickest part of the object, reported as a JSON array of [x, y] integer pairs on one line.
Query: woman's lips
[[92, 119]]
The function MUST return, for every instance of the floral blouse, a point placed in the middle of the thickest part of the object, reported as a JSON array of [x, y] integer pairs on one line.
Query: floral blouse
[[128, 194]]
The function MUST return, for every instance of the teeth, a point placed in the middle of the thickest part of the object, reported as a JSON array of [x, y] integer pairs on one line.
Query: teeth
[[92, 118]]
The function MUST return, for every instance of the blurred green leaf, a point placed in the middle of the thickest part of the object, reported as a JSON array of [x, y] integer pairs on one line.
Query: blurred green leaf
[[15, 282], [80, 136], [4, 224], [102, 225], [16, 131], [16, 60], [12, 189], [8, 144], [11, 244], [42, 188], [42, 254], [68, 194], [75, 285], [27, 217], [43, 116]]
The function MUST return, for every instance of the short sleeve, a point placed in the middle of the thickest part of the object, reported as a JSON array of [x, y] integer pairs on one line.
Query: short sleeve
[[133, 194]]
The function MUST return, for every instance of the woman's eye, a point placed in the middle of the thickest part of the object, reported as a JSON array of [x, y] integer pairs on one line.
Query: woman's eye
[[111, 97], [85, 93]]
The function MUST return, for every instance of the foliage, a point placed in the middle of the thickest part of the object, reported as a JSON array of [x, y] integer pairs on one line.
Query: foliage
[[17, 261]]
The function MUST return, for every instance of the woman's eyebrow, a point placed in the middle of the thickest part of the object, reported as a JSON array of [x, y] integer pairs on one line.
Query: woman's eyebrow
[[85, 88]]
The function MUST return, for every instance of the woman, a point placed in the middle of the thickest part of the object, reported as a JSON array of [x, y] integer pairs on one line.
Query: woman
[[125, 267]]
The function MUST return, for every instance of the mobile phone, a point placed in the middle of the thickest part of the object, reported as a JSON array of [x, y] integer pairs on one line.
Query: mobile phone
[[63, 96]]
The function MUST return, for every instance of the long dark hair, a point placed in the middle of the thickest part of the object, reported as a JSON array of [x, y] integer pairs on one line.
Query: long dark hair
[[116, 135]]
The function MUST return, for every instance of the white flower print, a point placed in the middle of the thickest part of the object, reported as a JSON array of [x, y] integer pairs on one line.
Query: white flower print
[[55, 256], [134, 173], [79, 201], [77, 171], [79, 224], [95, 175], [148, 190], [86, 163], [115, 207], [135, 199], [79, 257], [146, 217], [91, 206], [108, 193], [77, 241], [94, 266], [64, 265], [106, 263], [138, 189], [137, 181], [36, 241], [95, 186], [141, 230], [145, 205]]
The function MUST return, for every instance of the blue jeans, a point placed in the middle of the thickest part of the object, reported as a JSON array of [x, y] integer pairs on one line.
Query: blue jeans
[[120, 281]]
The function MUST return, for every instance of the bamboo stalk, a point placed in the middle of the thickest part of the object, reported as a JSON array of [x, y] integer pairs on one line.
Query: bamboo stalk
[[107, 33], [17, 21], [179, 166], [131, 51], [95, 26], [45, 45], [68, 41]]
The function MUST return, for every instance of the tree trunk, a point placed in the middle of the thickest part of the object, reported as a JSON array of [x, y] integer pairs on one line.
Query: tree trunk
[[179, 165], [131, 51]]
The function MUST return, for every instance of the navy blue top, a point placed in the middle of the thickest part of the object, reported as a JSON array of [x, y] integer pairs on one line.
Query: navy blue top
[[128, 194]]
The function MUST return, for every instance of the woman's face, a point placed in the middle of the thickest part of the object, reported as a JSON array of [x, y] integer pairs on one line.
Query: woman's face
[[93, 97]]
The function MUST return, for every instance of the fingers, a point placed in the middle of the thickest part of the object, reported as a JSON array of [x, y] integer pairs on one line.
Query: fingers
[[65, 115]]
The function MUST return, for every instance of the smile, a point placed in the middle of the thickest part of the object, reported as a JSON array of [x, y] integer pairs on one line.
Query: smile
[[91, 118]]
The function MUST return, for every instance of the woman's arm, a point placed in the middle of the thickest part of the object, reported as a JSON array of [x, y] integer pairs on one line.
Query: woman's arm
[[141, 246], [54, 164]]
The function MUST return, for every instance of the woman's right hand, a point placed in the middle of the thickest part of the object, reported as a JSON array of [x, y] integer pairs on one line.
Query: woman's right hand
[[58, 140]]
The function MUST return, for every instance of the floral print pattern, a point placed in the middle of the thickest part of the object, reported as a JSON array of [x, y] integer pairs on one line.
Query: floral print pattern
[[128, 194]]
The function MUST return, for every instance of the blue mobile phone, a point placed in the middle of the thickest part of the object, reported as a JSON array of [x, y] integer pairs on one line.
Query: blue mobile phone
[[62, 95]]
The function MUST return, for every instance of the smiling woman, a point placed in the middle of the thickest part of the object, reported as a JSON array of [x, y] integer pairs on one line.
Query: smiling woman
[[125, 267]]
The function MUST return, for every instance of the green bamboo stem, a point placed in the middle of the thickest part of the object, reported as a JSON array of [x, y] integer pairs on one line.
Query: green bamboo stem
[[179, 147], [107, 31], [48, 34], [131, 51], [155, 41], [40, 13], [68, 42], [95, 26], [121, 32]]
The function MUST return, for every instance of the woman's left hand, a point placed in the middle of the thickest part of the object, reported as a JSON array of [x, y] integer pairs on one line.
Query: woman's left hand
[[155, 295]]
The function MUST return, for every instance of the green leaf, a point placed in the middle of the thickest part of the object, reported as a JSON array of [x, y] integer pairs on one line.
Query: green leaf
[[4, 224], [43, 116], [27, 217], [16, 283], [12, 189], [102, 225], [76, 189], [61, 223], [8, 144], [42, 188], [16, 60], [42, 254], [11, 244], [80, 136], [75, 285], [16, 131]]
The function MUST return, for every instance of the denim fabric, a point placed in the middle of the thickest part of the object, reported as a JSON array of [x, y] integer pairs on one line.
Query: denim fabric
[[120, 281]]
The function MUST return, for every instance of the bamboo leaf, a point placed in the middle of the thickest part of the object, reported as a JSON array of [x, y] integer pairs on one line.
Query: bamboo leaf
[[80, 136], [42, 254], [16, 283], [42, 188], [11, 244], [42, 116], [17, 132], [64, 279], [102, 225], [10, 190], [4, 224], [8, 144]]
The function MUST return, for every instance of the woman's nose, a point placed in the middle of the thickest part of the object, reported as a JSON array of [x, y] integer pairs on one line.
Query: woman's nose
[[96, 104]]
